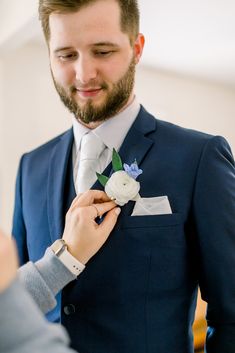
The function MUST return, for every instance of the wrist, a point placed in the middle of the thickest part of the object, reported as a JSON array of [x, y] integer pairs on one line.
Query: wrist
[[60, 249], [80, 254]]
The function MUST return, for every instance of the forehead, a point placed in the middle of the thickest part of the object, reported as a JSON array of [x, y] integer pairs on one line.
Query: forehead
[[97, 22]]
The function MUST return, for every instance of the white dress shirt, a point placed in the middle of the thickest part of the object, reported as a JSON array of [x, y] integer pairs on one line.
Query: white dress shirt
[[112, 132]]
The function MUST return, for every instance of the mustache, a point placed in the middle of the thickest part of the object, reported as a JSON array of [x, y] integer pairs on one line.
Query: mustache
[[89, 86]]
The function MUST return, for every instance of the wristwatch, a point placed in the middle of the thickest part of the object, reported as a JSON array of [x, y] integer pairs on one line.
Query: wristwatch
[[60, 249]]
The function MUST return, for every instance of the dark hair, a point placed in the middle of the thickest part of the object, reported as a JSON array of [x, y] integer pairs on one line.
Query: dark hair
[[129, 14]]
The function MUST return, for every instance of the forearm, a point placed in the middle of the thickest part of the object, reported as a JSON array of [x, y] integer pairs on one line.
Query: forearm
[[44, 279]]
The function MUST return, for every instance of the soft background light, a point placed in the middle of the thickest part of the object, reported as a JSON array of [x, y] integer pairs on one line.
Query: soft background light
[[187, 76]]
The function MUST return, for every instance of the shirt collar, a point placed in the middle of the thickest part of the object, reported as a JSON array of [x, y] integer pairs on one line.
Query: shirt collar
[[112, 131], [79, 131]]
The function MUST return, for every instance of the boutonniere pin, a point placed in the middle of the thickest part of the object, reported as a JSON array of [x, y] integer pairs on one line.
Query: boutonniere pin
[[122, 186]]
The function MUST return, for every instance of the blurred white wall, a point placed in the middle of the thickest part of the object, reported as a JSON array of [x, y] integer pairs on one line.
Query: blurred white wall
[[189, 102], [17, 21], [31, 113]]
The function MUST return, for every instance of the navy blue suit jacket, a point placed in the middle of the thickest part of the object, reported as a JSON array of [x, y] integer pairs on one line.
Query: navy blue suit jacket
[[138, 293]]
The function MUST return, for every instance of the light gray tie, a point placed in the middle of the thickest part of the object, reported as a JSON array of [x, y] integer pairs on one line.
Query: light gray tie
[[91, 150]]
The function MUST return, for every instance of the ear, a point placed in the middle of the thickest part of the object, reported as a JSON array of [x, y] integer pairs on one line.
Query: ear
[[138, 47]]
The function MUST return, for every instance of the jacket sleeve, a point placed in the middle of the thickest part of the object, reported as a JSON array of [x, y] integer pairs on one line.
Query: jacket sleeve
[[18, 230], [214, 216], [44, 279], [23, 328]]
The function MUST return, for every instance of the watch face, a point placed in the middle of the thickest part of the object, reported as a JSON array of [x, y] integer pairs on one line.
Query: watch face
[[58, 246]]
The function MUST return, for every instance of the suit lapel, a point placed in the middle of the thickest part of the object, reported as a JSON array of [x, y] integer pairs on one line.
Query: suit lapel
[[137, 143], [135, 146], [56, 184]]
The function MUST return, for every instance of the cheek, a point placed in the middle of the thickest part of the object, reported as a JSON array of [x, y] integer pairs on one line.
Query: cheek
[[63, 74], [115, 70]]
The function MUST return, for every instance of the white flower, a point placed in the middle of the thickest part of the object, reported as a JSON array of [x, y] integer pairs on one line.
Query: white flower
[[122, 188]]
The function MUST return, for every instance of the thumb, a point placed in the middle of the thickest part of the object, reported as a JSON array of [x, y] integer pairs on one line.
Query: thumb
[[109, 221]]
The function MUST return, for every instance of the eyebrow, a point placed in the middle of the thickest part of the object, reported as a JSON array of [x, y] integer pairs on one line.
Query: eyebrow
[[62, 49], [99, 44], [105, 44]]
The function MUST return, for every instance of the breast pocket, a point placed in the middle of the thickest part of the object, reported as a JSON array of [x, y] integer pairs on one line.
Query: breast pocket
[[163, 230], [151, 221]]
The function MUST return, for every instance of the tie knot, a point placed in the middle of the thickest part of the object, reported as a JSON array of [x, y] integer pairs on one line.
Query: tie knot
[[91, 146]]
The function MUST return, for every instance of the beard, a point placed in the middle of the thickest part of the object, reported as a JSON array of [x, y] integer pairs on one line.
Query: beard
[[115, 99]]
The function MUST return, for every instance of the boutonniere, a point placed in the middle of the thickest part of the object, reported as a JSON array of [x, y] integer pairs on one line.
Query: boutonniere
[[122, 185]]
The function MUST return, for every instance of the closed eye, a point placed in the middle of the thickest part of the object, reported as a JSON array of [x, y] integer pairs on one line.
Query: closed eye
[[67, 57], [103, 53]]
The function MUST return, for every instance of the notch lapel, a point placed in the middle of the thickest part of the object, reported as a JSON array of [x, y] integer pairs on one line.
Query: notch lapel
[[136, 143]]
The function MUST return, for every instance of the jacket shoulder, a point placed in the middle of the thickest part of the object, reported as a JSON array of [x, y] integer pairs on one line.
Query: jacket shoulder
[[172, 131], [49, 145], [174, 137], [179, 132]]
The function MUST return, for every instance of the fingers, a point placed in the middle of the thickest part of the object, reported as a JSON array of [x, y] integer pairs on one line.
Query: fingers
[[75, 201], [89, 197], [109, 222], [102, 208]]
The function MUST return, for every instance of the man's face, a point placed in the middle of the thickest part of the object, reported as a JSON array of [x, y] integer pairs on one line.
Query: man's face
[[92, 61]]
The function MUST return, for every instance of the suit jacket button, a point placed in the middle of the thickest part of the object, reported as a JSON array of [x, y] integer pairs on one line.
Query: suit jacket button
[[69, 309]]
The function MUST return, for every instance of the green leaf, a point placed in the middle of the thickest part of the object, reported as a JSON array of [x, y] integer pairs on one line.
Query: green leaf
[[102, 179], [116, 161]]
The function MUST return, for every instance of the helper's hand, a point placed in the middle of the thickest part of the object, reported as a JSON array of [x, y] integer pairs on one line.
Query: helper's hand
[[8, 261], [82, 234]]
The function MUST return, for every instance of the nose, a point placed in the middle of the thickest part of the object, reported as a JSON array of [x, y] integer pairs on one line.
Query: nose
[[85, 70]]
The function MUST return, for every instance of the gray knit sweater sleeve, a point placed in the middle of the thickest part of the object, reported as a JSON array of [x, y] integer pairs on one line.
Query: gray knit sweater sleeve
[[44, 279], [23, 328]]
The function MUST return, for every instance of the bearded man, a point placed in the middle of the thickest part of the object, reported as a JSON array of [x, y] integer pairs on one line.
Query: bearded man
[[139, 291]]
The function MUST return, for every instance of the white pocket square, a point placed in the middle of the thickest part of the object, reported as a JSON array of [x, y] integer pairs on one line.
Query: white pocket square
[[152, 206]]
